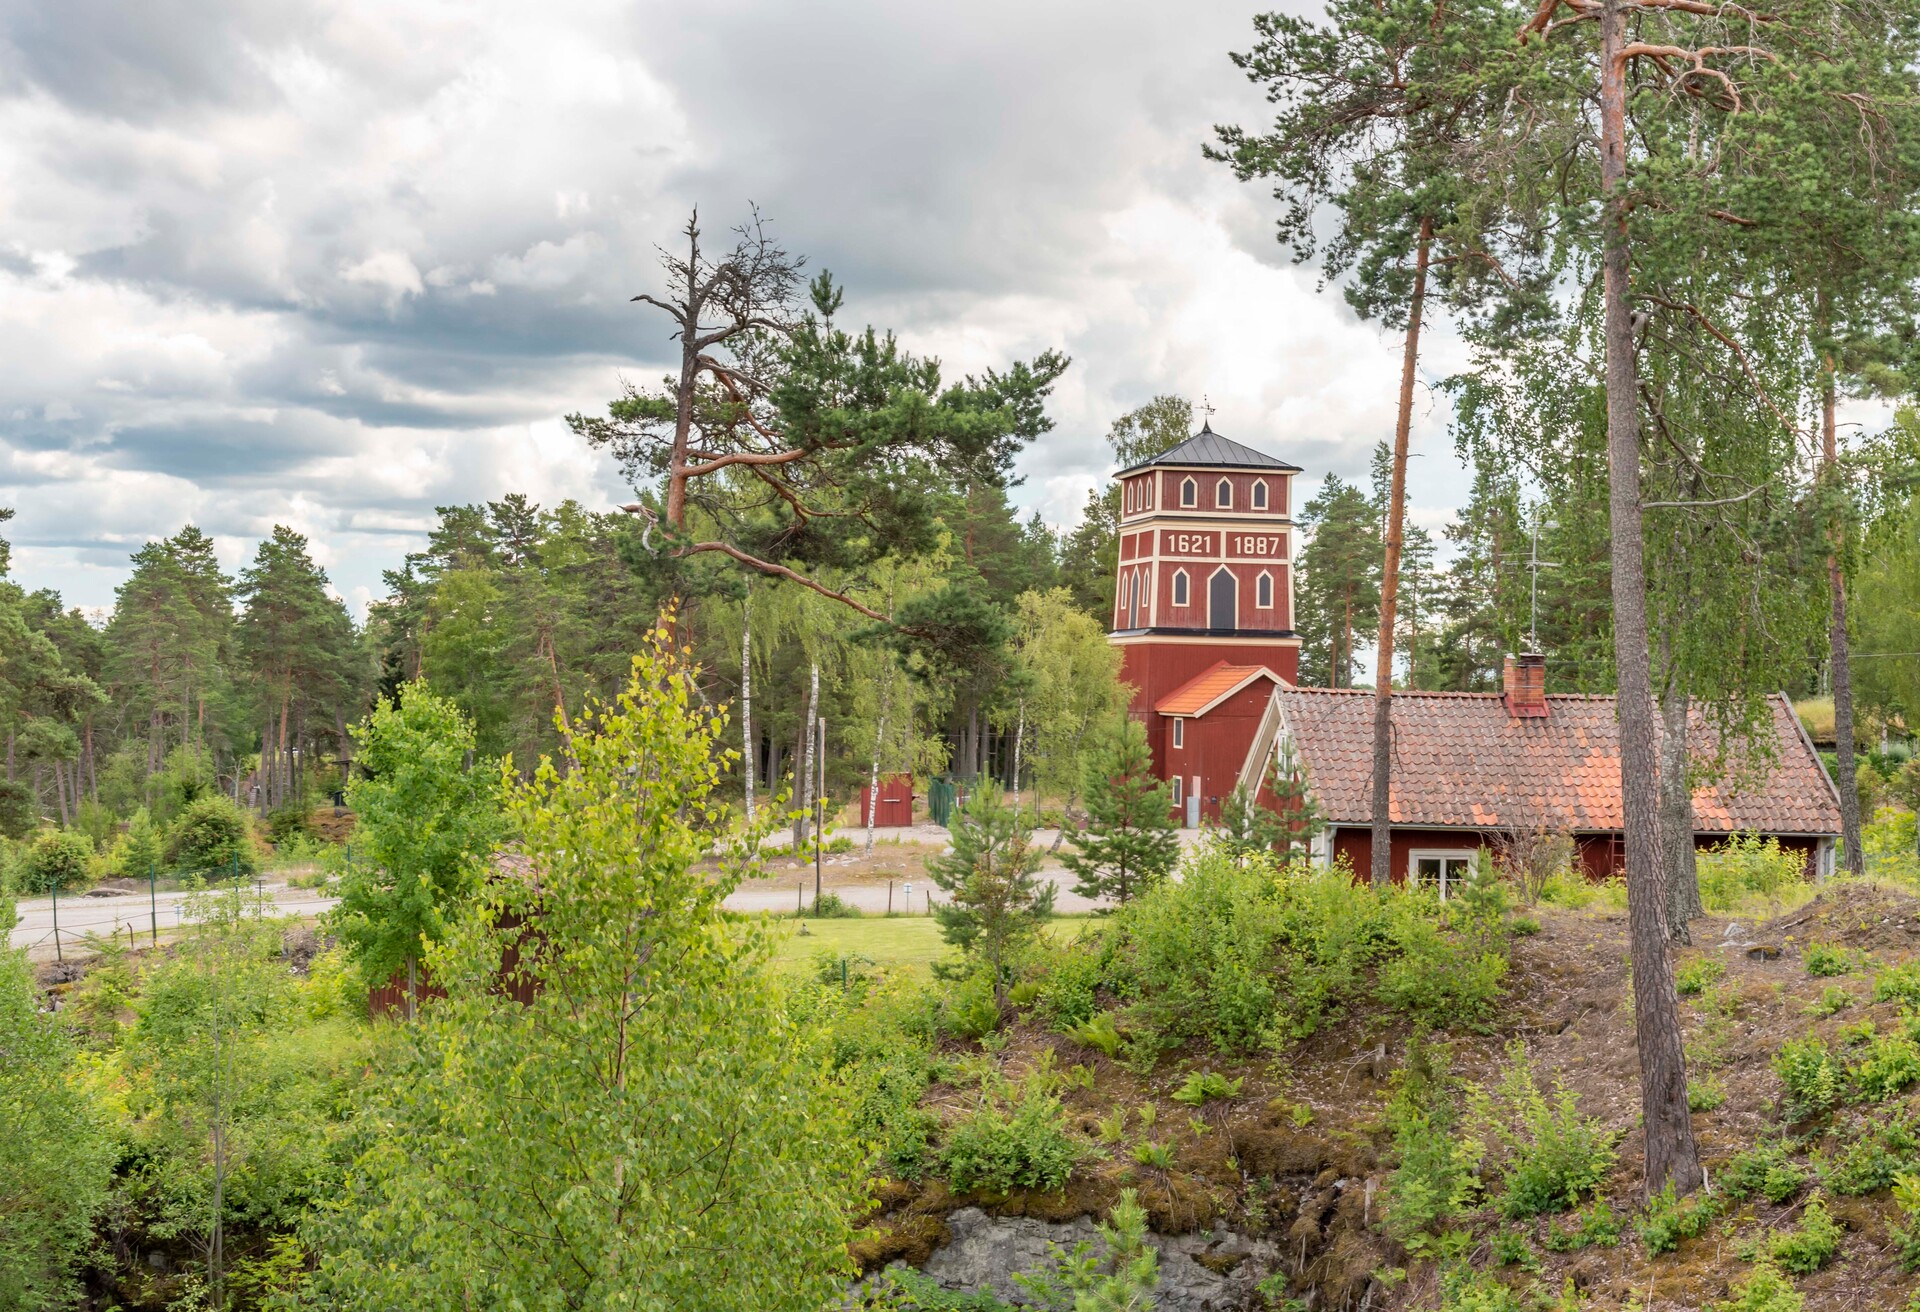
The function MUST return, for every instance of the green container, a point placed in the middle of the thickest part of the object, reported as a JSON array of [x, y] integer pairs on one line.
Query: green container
[[947, 793]]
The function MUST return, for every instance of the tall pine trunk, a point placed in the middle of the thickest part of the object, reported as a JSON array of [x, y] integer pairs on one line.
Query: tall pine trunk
[[1842, 669], [1381, 814], [879, 746], [1671, 1151], [1676, 816]]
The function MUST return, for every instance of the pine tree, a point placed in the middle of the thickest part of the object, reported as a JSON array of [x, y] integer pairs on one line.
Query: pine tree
[[1286, 829], [995, 901], [1130, 843], [1338, 590]]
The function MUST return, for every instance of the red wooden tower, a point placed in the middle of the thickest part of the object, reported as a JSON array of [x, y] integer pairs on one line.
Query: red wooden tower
[[1203, 607]]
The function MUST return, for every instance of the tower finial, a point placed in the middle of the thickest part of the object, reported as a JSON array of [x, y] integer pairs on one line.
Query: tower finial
[[1206, 410]]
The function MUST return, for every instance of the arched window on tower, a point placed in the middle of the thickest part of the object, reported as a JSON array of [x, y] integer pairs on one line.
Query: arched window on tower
[[1263, 591], [1189, 493], [1223, 494], [1181, 592], [1223, 600], [1260, 494]]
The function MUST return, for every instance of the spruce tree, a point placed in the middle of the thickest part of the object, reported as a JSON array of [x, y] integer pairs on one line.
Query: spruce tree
[[1248, 827], [995, 900], [1129, 843]]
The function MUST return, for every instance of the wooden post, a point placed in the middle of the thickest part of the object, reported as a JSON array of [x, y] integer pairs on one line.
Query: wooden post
[[56, 921], [889, 897], [153, 903]]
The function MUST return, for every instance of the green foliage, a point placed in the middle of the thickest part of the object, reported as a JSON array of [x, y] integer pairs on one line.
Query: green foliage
[[1764, 1170], [1130, 842], [288, 824], [900, 1288], [1666, 1220], [139, 852], [1705, 1094], [1203, 1087], [1832, 1000], [1812, 1079], [1875, 1154], [995, 901], [1825, 960], [1898, 984], [1122, 1278], [972, 1011], [1697, 976], [1553, 1156], [1811, 1244], [1286, 829], [1158, 1154], [831, 906], [55, 1158], [58, 859], [655, 1102], [997, 1151], [1748, 866], [212, 836], [1434, 1175], [1097, 1032], [1905, 1233], [429, 817], [1764, 1290], [1598, 1225], [1891, 1064]]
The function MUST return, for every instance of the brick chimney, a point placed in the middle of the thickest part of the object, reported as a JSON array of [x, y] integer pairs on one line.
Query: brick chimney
[[1525, 680]]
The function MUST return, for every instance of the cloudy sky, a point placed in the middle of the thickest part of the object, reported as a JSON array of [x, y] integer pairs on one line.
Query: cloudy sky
[[333, 264]]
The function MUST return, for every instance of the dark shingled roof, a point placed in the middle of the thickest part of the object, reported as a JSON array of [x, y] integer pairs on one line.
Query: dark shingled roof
[[1461, 761], [1208, 448]]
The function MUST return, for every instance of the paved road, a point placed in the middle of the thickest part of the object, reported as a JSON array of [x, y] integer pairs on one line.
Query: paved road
[[81, 915]]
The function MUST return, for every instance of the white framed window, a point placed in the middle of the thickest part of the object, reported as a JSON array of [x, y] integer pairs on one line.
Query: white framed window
[[1259, 494], [1180, 588], [1263, 591], [1178, 795], [1148, 489], [1223, 493], [1438, 868], [1179, 733], [1189, 492]]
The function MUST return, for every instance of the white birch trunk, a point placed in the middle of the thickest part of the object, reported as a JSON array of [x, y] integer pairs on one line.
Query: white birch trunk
[[879, 744], [805, 814], [749, 758]]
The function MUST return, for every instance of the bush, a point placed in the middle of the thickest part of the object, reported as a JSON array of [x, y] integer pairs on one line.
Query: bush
[[1898, 984], [1069, 990], [1875, 1157], [1763, 1169], [1825, 960], [212, 836], [1891, 1064], [1666, 1221], [58, 859], [1097, 1032], [1599, 1225], [1554, 1155], [1811, 1078], [1906, 1236], [997, 1152], [288, 822], [19, 809], [1809, 1246], [1746, 866], [1433, 1178], [1764, 1290], [831, 906], [140, 852], [972, 1012], [1696, 977]]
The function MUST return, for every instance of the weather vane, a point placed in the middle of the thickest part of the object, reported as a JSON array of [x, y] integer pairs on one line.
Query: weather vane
[[1206, 408]]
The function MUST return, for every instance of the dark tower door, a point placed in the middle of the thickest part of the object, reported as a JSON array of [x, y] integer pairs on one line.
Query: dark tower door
[[1223, 595]]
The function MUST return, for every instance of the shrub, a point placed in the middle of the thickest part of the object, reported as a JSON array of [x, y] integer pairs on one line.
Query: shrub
[[1764, 1290], [1811, 1245], [1705, 1094], [1433, 1178], [1554, 1155], [58, 859], [1435, 978], [1811, 1078], [972, 1012], [1891, 1064], [1155, 1154], [997, 1152], [287, 822], [831, 906], [1205, 1086], [1874, 1158], [1825, 960], [1598, 1225], [1906, 1233], [1832, 1000], [19, 808], [140, 851], [1666, 1220], [212, 835], [1745, 866], [1898, 984], [1069, 990], [1696, 977], [1763, 1169]]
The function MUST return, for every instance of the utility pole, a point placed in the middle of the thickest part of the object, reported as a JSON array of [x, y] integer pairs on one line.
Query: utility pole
[[1534, 566]]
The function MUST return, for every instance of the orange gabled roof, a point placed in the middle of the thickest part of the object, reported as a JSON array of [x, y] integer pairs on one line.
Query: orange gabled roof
[[1212, 688]]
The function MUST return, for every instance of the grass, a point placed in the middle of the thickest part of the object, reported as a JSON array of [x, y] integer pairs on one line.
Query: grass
[[904, 942]]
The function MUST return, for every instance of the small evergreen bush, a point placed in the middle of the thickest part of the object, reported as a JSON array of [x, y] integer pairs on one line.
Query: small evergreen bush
[[999, 1152], [1764, 1290], [1763, 1169], [1696, 977], [1666, 1220], [1810, 1245], [140, 851], [57, 859], [1826, 960], [212, 836]]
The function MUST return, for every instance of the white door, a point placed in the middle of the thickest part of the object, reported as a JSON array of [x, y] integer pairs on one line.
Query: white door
[[1193, 802]]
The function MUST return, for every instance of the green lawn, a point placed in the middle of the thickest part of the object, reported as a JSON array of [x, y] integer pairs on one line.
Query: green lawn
[[898, 941]]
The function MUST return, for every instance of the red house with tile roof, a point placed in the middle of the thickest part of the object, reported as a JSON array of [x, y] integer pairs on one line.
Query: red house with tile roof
[[1468, 766], [1203, 606]]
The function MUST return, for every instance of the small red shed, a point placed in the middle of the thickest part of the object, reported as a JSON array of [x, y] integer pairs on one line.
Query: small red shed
[[894, 807]]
